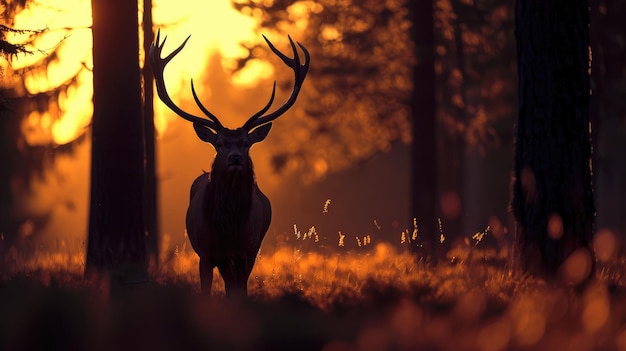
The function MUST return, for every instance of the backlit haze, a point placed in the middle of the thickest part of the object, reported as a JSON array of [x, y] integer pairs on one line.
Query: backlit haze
[[217, 34], [216, 30]]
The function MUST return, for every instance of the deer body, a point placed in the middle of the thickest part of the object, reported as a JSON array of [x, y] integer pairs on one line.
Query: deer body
[[227, 218], [228, 215], [238, 222]]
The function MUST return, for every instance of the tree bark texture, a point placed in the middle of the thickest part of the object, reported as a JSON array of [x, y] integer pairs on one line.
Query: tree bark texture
[[608, 112], [151, 198], [116, 226], [424, 146], [552, 195]]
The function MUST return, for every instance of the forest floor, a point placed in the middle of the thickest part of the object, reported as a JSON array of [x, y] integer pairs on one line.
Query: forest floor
[[374, 299]]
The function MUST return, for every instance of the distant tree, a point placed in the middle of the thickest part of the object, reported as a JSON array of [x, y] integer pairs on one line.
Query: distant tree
[[552, 189], [116, 240], [475, 93], [10, 129], [8, 225], [424, 163], [22, 158]]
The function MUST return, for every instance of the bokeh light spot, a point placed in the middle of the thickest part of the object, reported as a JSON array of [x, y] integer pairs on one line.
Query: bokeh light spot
[[373, 339], [576, 267], [498, 230], [494, 336], [529, 185], [321, 167], [450, 203], [555, 227], [470, 306], [605, 243], [597, 308], [528, 320], [407, 318], [595, 314], [620, 341]]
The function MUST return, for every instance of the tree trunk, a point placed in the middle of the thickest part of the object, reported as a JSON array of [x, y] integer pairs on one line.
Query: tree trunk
[[9, 128], [116, 240], [454, 153], [552, 189], [424, 147], [151, 198], [608, 112]]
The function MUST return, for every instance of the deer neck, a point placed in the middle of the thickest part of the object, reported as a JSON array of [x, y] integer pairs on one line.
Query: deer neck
[[230, 194]]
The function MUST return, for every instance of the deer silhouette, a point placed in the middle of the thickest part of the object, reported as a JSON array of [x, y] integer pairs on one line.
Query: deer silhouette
[[228, 215]]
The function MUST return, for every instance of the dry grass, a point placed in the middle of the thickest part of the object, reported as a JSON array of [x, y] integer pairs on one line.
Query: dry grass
[[373, 298]]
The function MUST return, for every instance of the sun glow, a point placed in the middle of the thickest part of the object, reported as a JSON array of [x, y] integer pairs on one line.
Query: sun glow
[[66, 46], [216, 28]]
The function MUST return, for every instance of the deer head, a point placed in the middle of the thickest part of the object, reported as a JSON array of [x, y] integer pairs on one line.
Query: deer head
[[232, 146]]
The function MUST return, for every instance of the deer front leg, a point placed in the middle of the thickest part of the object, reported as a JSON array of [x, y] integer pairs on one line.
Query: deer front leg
[[235, 276], [206, 276]]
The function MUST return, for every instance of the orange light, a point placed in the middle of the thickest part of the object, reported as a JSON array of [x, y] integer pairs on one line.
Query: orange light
[[555, 227], [576, 267], [450, 203], [216, 27], [606, 245], [67, 35]]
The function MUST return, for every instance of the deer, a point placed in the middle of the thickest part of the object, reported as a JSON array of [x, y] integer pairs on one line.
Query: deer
[[228, 215]]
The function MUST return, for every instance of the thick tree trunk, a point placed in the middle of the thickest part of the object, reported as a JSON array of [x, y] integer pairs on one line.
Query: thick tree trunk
[[424, 147], [151, 198], [608, 112], [552, 188], [116, 227]]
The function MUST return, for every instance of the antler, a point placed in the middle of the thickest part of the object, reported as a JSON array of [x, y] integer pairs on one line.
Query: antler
[[300, 72], [158, 65]]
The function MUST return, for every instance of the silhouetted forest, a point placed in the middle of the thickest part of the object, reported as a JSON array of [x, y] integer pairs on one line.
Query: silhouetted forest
[[436, 148]]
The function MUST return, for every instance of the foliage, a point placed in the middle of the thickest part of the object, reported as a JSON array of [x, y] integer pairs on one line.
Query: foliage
[[360, 79], [475, 70], [9, 8], [356, 93], [29, 149], [7, 49]]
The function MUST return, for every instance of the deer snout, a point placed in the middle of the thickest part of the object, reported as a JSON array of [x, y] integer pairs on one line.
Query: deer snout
[[235, 159]]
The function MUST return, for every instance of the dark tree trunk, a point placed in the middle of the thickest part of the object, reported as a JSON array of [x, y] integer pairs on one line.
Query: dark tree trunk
[[453, 151], [116, 240], [9, 128], [151, 198], [424, 150], [608, 112], [552, 171]]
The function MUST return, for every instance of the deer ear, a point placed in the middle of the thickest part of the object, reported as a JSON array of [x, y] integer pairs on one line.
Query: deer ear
[[205, 134], [259, 133]]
